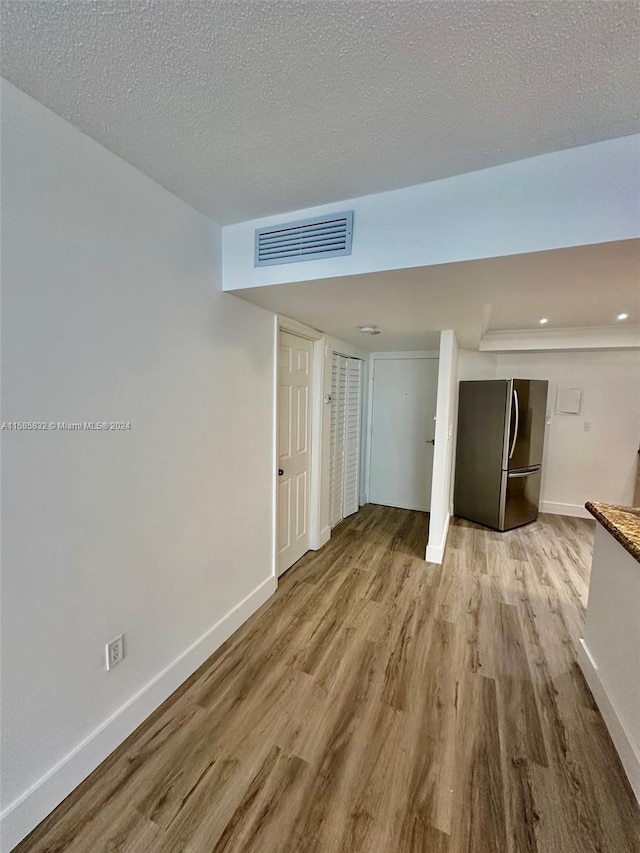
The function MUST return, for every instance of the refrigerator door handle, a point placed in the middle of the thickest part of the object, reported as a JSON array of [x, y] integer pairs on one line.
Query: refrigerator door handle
[[523, 473], [515, 431]]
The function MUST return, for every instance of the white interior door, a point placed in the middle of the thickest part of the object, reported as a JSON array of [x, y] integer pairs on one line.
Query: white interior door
[[403, 425], [294, 447]]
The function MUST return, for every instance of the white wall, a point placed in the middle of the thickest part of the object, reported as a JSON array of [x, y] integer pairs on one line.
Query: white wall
[[599, 465], [568, 198], [443, 456], [476, 365], [112, 310]]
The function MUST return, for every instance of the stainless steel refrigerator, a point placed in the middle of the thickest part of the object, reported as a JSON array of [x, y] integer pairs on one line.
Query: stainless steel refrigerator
[[499, 451]]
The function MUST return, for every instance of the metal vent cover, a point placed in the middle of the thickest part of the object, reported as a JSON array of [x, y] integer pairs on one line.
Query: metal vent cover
[[306, 240]]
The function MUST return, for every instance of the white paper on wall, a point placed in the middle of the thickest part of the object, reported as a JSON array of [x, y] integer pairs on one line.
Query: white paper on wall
[[568, 401]]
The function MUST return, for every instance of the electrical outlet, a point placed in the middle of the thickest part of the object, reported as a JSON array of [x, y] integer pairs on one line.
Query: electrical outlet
[[587, 426], [114, 652]]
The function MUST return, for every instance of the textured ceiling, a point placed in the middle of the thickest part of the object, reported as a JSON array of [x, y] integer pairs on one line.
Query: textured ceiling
[[586, 286], [250, 108]]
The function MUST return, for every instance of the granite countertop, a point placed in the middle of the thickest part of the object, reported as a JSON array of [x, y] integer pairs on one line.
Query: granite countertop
[[622, 522]]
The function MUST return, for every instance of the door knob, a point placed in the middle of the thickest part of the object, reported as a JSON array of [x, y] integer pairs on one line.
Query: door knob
[[431, 441], [280, 472]]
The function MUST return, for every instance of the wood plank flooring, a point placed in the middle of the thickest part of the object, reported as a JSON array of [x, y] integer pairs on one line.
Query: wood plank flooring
[[382, 704]]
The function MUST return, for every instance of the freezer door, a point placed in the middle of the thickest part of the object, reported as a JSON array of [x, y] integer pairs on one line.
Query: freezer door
[[519, 499], [526, 424]]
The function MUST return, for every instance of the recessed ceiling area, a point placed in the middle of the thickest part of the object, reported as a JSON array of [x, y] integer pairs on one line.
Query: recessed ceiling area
[[247, 109], [581, 287]]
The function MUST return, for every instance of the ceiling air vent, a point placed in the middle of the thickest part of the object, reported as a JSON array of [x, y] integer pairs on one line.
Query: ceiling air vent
[[306, 240]]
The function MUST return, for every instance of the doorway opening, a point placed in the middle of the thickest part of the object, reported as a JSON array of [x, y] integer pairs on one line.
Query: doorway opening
[[403, 398]]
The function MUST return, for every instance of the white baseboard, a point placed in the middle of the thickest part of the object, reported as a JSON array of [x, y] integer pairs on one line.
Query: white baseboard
[[325, 535], [575, 510], [25, 813], [621, 740], [435, 552]]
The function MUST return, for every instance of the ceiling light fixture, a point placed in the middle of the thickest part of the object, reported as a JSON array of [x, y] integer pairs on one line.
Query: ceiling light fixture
[[543, 321], [622, 316], [370, 329]]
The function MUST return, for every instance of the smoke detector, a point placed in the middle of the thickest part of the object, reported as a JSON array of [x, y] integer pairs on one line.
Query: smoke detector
[[370, 329]]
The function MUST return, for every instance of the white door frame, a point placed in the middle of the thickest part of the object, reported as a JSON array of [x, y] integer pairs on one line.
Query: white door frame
[[285, 324], [373, 357]]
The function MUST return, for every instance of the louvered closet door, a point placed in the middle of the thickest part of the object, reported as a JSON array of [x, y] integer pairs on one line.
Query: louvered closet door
[[351, 490], [338, 421], [346, 394]]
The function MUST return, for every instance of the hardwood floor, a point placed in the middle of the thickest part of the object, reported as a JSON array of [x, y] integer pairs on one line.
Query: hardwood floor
[[381, 704]]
